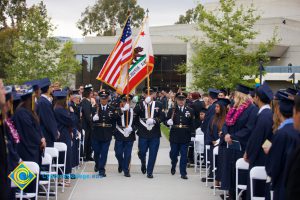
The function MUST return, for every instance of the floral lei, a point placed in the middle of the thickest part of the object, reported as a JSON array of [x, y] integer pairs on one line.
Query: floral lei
[[234, 113]]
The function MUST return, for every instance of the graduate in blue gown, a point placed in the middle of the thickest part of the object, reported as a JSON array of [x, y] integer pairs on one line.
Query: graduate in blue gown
[[240, 121], [46, 114], [64, 120], [32, 143], [213, 137], [262, 131], [284, 142]]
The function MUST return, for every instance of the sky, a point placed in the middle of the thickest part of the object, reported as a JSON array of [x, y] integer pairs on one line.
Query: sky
[[65, 13]]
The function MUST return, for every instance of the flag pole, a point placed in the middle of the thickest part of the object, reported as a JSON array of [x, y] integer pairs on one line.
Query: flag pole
[[127, 87], [148, 77]]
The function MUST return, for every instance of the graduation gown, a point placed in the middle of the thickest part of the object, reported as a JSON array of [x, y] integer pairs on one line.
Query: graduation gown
[[47, 120], [256, 156], [240, 132], [30, 135], [208, 116], [293, 176], [64, 123], [3, 165], [284, 142]]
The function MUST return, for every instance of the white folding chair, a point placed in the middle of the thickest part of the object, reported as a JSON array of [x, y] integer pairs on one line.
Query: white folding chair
[[257, 173], [215, 153], [62, 147], [46, 160], [34, 167], [240, 164], [53, 152], [198, 151], [207, 164]]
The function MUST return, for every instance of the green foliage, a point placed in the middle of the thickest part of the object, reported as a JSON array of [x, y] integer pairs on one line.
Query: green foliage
[[223, 58], [37, 53], [106, 16], [67, 66], [191, 16]]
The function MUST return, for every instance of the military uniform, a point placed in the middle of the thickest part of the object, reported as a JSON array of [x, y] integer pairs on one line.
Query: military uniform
[[124, 137], [104, 124], [147, 120], [180, 119]]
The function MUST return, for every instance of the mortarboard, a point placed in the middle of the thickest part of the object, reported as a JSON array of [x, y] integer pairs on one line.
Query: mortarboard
[[213, 93], [243, 89], [223, 102], [60, 94], [265, 91]]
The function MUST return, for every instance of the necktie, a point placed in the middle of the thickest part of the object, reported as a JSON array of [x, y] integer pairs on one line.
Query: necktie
[[103, 108]]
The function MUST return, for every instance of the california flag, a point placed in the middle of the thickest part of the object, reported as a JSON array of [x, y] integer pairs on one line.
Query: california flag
[[142, 61]]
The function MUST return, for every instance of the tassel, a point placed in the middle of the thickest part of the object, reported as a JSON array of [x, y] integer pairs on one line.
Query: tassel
[[33, 102], [11, 107]]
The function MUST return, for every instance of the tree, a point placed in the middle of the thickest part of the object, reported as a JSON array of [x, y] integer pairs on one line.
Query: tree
[[35, 50], [11, 13], [106, 16], [191, 16], [67, 66], [223, 58]]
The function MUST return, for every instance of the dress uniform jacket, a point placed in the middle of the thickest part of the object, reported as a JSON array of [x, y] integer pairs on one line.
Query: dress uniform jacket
[[121, 124], [140, 119], [104, 127], [183, 124]]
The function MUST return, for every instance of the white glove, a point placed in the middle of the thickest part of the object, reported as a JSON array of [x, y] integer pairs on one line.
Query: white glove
[[150, 121], [128, 129], [126, 107], [96, 117], [148, 100], [170, 122]]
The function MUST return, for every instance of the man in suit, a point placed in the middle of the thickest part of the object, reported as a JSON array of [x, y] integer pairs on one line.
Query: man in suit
[[148, 116], [180, 119]]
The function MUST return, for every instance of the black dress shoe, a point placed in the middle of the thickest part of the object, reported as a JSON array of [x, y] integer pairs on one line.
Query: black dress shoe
[[102, 175], [173, 171], [120, 169], [127, 174], [184, 177], [143, 169], [149, 176], [208, 180], [96, 169]]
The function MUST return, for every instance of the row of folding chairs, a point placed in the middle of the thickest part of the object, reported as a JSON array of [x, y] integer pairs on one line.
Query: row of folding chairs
[[200, 149], [51, 160]]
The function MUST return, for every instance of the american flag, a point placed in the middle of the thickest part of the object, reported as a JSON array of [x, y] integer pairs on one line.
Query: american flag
[[121, 55]]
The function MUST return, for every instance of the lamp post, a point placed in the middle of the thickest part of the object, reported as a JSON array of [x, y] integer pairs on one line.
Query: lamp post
[[293, 74]]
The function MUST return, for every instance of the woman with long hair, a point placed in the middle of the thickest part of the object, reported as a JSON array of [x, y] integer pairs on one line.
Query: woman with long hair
[[240, 121], [216, 127], [64, 120]]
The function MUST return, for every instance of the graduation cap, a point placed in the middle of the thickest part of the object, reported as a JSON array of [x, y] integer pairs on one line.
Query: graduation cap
[[60, 94], [279, 94], [213, 93], [103, 94], [203, 110], [181, 95], [44, 83], [291, 91], [223, 102], [286, 104], [151, 90], [16, 96], [8, 92], [34, 83], [26, 93], [123, 97], [265, 92], [243, 89]]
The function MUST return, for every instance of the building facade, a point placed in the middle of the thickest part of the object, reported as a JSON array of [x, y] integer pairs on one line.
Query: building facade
[[170, 50]]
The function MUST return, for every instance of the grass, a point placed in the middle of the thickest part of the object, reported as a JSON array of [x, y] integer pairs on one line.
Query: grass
[[165, 130]]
